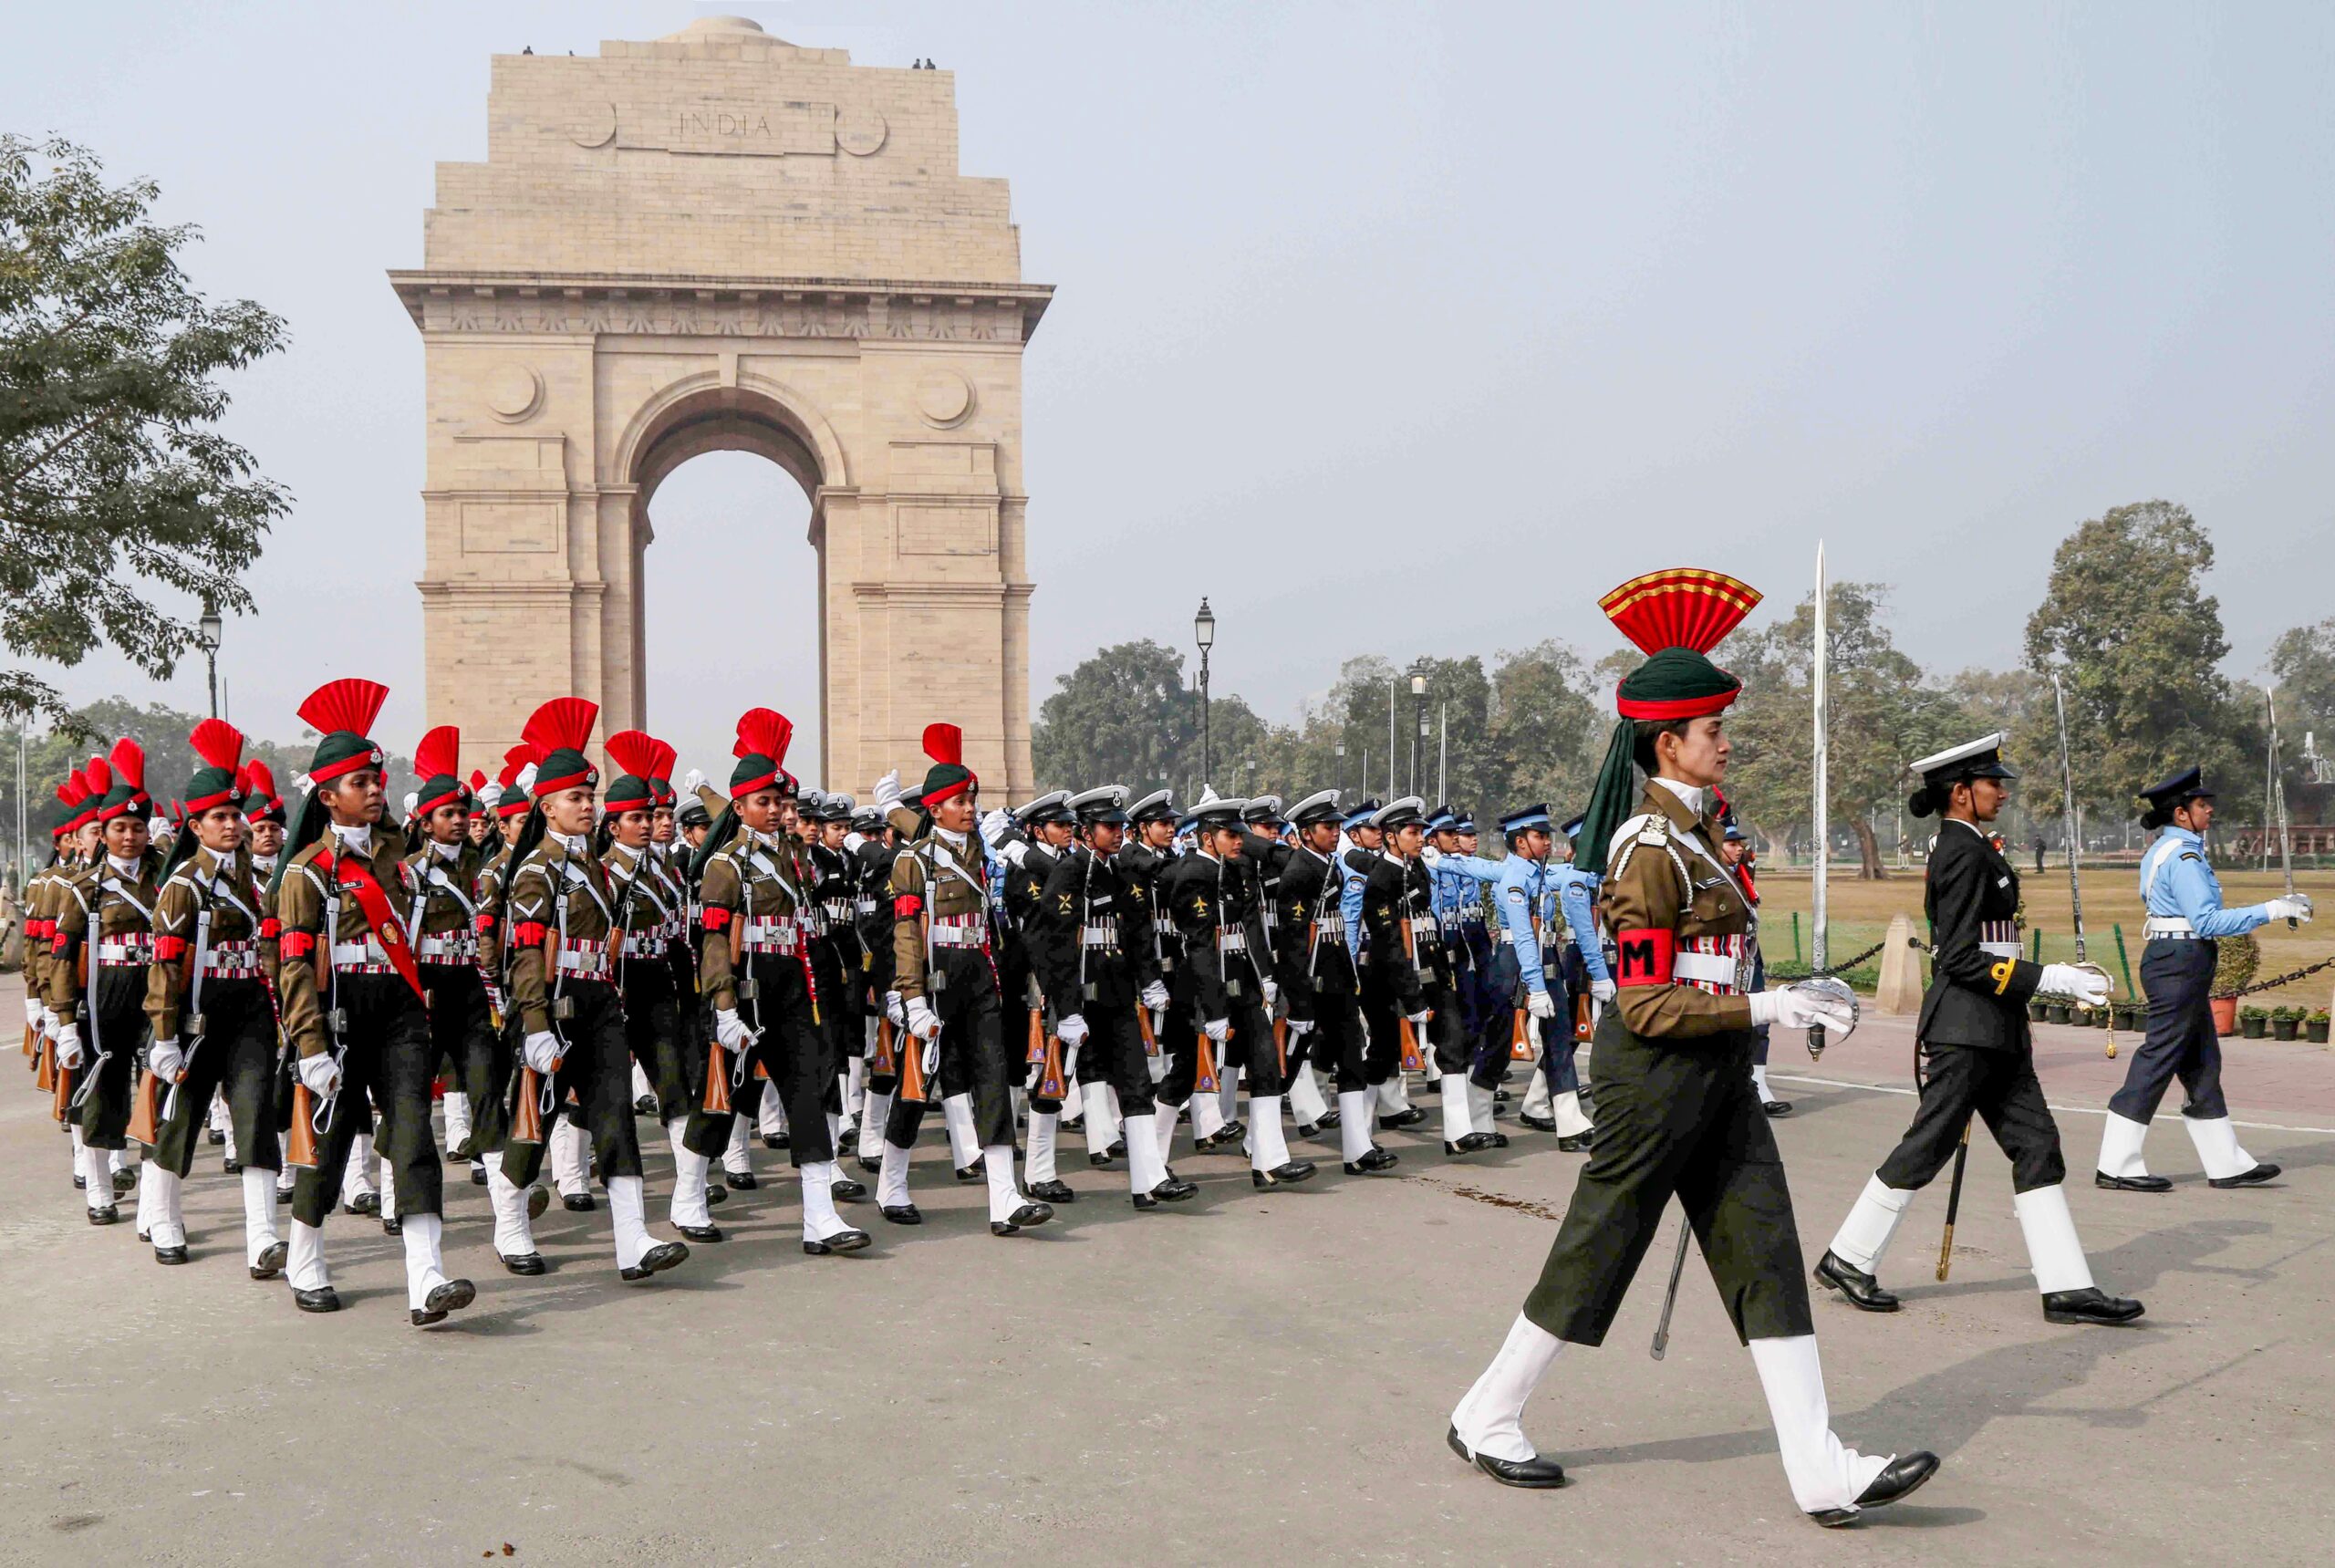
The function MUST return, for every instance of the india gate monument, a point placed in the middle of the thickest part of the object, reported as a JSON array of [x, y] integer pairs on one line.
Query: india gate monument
[[719, 241]]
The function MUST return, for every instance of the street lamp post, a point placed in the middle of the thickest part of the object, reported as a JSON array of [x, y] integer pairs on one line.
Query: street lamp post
[[206, 638], [1418, 712], [1341, 763], [1204, 633]]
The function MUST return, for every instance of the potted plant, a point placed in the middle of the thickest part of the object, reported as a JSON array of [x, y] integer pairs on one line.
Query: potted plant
[[2253, 1023], [2285, 1022], [2234, 965], [2038, 1009], [2314, 1027], [2056, 1012], [2129, 1015]]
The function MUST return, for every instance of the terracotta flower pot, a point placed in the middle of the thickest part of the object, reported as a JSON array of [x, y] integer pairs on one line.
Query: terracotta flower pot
[[2224, 1010]]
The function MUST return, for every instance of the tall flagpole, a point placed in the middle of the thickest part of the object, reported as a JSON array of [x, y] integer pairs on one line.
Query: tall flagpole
[[1822, 754]]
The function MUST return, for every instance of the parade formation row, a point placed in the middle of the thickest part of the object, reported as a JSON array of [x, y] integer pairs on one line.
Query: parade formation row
[[568, 953]]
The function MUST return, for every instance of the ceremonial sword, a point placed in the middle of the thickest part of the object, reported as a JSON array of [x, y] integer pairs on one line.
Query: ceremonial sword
[[2278, 800], [2074, 830]]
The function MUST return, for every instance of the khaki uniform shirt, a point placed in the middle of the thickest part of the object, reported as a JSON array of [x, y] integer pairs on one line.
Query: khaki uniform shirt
[[220, 885], [95, 905], [747, 878], [1649, 910], [303, 977], [932, 878], [556, 891]]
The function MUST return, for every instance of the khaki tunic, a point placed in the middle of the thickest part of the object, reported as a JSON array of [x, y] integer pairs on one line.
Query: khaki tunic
[[222, 884], [77, 898], [958, 889], [302, 956], [552, 876], [738, 889], [1647, 896]]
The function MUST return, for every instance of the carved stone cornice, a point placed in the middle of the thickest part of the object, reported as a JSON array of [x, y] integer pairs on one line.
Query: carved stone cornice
[[683, 305]]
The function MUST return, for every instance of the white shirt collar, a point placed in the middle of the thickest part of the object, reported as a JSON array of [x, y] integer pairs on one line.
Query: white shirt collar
[[573, 843], [761, 840], [446, 852], [122, 867], [262, 863], [1692, 796], [948, 836], [358, 838]]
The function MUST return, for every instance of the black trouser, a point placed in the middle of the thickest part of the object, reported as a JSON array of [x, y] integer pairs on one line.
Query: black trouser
[[1999, 1088], [794, 1050], [1675, 1116], [1335, 1044], [1112, 1053], [1487, 1007], [596, 1068], [974, 1053], [464, 1043], [2179, 979], [835, 1044], [113, 1014], [652, 1033], [1381, 1018], [387, 1057], [235, 1051]]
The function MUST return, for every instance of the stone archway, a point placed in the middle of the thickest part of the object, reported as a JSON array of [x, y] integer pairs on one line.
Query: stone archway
[[717, 241]]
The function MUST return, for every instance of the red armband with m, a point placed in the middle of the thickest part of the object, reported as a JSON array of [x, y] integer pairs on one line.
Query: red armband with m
[[715, 917], [297, 944], [1643, 957]]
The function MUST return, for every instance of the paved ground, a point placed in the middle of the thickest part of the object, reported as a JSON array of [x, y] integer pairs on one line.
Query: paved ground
[[1242, 1380]]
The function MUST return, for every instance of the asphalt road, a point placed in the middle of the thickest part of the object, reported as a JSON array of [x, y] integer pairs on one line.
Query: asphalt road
[[1247, 1378]]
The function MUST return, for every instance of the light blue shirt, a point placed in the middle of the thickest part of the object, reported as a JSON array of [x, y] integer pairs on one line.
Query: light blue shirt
[[1520, 889], [2177, 882], [1577, 896]]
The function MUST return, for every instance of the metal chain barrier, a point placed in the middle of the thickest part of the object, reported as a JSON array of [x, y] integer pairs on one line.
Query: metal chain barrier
[[2279, 979]]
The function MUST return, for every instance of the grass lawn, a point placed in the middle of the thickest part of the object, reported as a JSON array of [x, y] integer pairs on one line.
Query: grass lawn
[[1860, 913]]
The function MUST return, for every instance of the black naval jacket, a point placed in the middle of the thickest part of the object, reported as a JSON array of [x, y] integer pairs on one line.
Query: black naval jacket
[[1084, 889], [1205, 896], [1976, 998], [1313, 965]]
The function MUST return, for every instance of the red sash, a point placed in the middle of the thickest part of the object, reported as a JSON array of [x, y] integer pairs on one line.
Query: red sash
[[388, 929]]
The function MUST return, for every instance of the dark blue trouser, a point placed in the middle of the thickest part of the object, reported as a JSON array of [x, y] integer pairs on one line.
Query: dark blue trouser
[[2181, 1043]]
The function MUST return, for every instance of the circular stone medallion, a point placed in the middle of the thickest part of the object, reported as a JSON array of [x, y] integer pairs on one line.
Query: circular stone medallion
[[592, 124], [513, 391], [944, 397], [858, 131]]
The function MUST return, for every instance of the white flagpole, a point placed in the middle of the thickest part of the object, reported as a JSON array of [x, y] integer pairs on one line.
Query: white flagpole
[[1821, 753]]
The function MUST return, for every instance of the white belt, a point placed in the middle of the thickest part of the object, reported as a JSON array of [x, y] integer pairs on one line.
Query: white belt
[[228, 960], [1425, 925], [2168, 928], [365, 957], [972, 935], [450, 947], [839, 910], [645, 944], [1999, 950], [864, 906], [1234, 943], [1164, 925], [1106, 935], [127, 950], [586, 960], [765, 935], [1713, 965]]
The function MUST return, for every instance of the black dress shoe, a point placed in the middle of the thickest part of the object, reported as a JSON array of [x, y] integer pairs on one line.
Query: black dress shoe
[[462, 1153], [1053, 1192], [1862, 1289], [841, 1241], [1777, 1107], [478, 1175], [1097, 1160], [1500, 1096], [870, 1166], [1024, 1218], [2255, 1177], [80, 1183], [743, 1180], [1172, 1190], [1538, 1124], [1309, 1129], [144, 1237], [232, 1167], [977, 1171], [528, 1263], [1287, 1174], [170, 1254], [1536, 1473], [1375, 1160], [1431, 1086], [2106, 1182], [1577, 1144], [2090, 1305], [217, 1136], [1410, 1116], [775, 1140], [903, 1213], [391, 1225], [657, 1260], [324, 1298], [125, 1180], [270, 1261], [1499, 1139], [1118, 1150], [578, 1202], [452, 1296], [699, 1232], [1471, 1143], [715, 1193], [1329, 1118], [645, 1107], [363, 1203], [1901, 1476], [106, 1216]]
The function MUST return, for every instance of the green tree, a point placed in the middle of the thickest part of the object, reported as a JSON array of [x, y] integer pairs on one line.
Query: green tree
[[2303, 662], [1881, 716], [1122, 716], [1547, 736], [2138, 644], [114, 479]]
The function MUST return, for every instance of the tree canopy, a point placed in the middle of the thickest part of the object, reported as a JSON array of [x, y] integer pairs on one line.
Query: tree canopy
[[114, 479]]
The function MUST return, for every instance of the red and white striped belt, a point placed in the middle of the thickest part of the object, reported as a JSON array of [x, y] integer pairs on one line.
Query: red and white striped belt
[[124, 951], [1713, 965]]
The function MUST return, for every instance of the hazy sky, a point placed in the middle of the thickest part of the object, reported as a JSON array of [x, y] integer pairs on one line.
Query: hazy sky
[[1392, 329]]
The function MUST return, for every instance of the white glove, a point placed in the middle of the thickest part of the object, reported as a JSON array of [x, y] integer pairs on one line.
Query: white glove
[[923, 1022], [730, 1029], [1154, 996], [1539, 1004], [1300, 1027], [1072, 1030], [932, 1055], [167, 1060], [892, 1010], [2065, 980], [1417, 1018], [887, 791], [1013, 851], [33, 1010], [1797, 1009], [1272, 994], [540, 1050], [1602, 989], [320, 1074], [69, 1047], [2294, 908], [994, 822], [1217, 1029], [52, 1025]]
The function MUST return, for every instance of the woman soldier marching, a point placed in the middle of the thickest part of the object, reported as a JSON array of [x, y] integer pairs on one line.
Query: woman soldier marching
[[97, 973], [647, 907], [1977, 1056], [762, 991], [1676, 1109], [445, 868], [77, 841], [563, 981], [209, 1002]]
